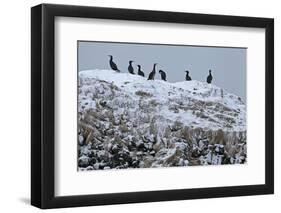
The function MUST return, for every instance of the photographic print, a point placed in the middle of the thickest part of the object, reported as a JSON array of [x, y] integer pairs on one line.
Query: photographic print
[[168, 96], [160, 105]]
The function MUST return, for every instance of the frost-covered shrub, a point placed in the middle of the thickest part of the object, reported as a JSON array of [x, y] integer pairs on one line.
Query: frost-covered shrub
[[143, 93]]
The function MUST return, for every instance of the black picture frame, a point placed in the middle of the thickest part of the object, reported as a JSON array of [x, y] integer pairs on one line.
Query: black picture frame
[[43, 102]]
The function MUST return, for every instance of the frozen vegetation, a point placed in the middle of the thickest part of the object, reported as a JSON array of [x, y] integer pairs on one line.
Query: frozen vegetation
[[125, 121]]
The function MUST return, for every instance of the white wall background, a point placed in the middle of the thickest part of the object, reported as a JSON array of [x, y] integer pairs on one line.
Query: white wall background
[[15, 105]]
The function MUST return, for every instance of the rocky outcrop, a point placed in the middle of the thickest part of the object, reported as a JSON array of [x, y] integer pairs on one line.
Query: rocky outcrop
[[125, 121]]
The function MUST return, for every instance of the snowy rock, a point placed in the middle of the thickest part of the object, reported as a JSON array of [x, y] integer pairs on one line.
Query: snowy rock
[[219, 149], [83, 161], [81, 140], [203, 144]]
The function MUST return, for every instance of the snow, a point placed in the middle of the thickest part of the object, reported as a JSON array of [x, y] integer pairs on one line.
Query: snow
[[193, 103]]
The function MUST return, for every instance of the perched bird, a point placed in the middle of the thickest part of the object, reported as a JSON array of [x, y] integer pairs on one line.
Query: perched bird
[[141, 73], [163, 75], [131, 68], [187, 77], [152, 73], [210, 77], [112, 64]]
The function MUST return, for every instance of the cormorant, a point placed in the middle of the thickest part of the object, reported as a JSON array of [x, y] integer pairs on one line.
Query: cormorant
[[141, 73], [153, 72], [187, 77], [112, 64], [163, 75], [210, 77], [131, 68]]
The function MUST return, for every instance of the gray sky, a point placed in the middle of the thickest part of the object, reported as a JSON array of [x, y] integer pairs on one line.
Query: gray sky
[[228, 65]]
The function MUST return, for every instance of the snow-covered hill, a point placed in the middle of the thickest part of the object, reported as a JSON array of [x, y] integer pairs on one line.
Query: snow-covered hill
[[150, 121]]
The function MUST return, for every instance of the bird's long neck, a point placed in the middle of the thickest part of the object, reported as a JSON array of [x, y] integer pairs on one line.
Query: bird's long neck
[[111, 58], [154, 67], [139, 68]]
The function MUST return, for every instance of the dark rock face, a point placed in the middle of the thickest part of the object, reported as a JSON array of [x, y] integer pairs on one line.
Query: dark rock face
[[182, 147]]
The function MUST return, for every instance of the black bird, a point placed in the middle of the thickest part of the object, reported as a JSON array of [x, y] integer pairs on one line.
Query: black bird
[[141, 73], [131, 68], [112, 64], [187, 77], [163, 75], [210, 77], [152, 73]]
